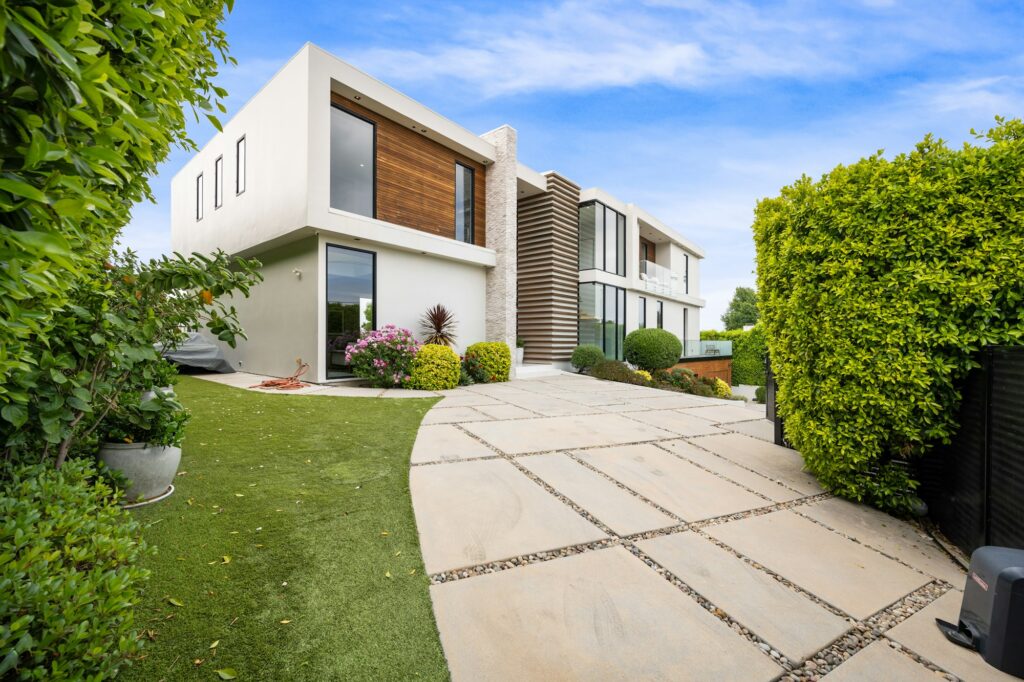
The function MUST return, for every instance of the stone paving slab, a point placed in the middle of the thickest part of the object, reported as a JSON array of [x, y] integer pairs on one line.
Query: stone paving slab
[[548, 406], [851, 577], [453, 415], [762, 429], [446, 443], [732, 471], [879, 662], [680, 487], [677, 422], [625, 514], [505, 411], [601, 615], [789, 621], [726, 414], [769, 459], [466, 399], [919, 634], [667, 401], [472, 513], [562, 433], [890, 535]]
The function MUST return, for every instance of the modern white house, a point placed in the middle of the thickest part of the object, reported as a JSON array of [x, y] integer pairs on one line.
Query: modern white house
[[366, 208]]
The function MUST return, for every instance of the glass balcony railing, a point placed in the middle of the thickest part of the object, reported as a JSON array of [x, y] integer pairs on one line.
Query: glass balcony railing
[[660, 280], [707, 349]]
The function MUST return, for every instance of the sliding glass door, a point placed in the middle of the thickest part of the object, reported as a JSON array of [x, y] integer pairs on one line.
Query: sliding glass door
[[351, 293], [602, 317]]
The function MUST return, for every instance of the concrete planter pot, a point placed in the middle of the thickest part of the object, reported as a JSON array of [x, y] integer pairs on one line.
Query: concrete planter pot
[[520, 353], [149, 468]]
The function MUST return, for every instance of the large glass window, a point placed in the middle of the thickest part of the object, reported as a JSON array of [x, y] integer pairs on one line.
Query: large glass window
[[602, 238], [352, 163], [661, 314], [602, 317], [351, 292], [463, 203], [642, 312]]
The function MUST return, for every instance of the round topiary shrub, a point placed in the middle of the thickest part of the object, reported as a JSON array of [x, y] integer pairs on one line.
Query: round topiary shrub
[[435, 368], [652, 349], [586, 356], [722, 389]]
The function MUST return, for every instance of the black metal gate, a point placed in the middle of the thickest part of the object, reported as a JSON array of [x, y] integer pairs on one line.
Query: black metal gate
[[974, 486]]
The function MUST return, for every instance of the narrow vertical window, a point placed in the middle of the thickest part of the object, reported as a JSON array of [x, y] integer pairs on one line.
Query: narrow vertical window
[[218, 182], [686, 273], [353, 169], [240, 165], [620, 266], [199, 197], [642, 311], [686, 329], [463, 203], [661, 314]]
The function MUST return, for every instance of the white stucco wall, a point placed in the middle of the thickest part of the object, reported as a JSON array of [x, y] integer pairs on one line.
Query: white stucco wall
[[280, 315], [407, 284], [275, 125]]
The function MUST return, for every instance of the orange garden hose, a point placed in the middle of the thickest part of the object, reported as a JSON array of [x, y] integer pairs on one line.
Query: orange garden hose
[[287, 383]]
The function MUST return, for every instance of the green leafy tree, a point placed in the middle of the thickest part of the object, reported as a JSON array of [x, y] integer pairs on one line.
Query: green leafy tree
[[878, 284], [742, 309], [91, 97]]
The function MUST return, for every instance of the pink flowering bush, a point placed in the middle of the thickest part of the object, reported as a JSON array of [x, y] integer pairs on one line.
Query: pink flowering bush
[[383, 356]]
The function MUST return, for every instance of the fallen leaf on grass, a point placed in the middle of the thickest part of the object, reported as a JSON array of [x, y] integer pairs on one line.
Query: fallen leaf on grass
[[198, 661], [226, 559], [387, 574], [182, 473], [215, 643], [239, 495], [412, 572], [227, 673], [384, 533], [285, 622], [234, 532], [398, 553], [174, 602]]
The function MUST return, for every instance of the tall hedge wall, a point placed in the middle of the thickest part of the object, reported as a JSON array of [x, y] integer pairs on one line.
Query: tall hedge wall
[[877, 283], [748, 353]]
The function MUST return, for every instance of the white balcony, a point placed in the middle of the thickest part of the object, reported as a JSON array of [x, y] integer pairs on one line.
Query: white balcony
[[660, 280]]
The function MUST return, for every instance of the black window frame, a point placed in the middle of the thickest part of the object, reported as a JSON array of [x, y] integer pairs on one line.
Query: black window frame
[[200, 198], [620, 239], [240, 165], [686, 273], [218, 182], [620, 304], [373, 323], [374, 153], [472, 202], [641, 305], [660, 311]]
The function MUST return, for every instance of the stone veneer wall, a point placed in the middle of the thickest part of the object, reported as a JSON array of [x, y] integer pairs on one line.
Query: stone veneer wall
[[501, 236], [548, 271]]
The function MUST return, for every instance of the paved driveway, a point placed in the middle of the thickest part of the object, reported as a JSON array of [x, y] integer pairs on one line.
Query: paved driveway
[[580, 529]]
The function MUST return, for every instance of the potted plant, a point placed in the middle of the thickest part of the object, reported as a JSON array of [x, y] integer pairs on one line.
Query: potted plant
[[142, 441], [520, 350]]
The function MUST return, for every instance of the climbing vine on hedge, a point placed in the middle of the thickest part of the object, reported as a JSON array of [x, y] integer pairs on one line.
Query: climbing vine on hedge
[[877, 284]]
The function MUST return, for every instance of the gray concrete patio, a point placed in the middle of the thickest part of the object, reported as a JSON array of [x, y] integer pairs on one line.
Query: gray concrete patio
[[576, 529]]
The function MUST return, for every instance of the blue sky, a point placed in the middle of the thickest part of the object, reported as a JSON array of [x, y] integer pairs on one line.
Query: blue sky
[[693, 110]]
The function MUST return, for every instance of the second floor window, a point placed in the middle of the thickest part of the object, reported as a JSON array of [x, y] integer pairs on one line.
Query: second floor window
[[463, 203], [199, 197], [218, 182], [642, 312], [602, 238], [240, 165], [353, 143]]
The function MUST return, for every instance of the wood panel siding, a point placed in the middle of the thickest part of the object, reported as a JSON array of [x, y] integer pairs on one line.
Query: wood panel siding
[[651, 250], [548, 271], [416, 178]]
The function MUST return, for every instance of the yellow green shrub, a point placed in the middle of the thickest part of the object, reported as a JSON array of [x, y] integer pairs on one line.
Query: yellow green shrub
[[489, 361], [435, 368]]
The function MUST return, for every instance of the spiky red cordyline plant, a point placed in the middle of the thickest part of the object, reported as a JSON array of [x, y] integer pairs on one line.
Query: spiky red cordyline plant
[[438, 325]]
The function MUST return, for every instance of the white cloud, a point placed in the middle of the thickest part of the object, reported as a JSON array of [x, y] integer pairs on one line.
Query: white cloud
[[576, 46]]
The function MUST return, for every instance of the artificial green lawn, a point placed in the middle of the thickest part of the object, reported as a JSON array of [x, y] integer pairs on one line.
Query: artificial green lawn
[[308, 496]]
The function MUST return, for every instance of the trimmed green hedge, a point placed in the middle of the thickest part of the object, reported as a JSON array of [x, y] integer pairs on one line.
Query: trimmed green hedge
[[435, 368], [652, 349], [68, 574], [749, 351], [877, 284], [489, 361]]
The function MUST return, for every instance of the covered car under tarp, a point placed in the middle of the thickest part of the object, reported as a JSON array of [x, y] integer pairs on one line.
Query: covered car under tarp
[[198, 352]]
